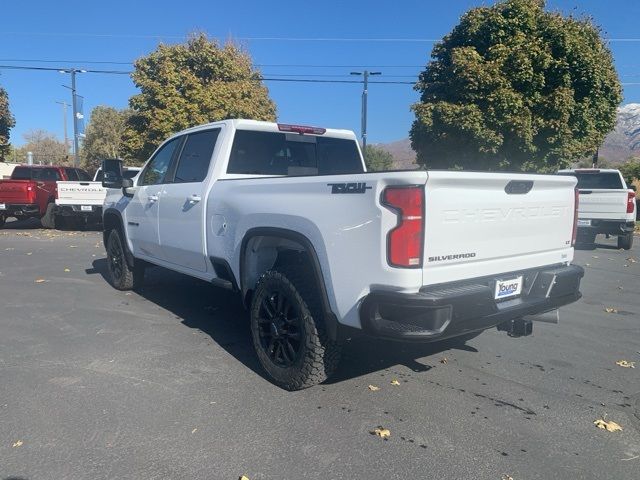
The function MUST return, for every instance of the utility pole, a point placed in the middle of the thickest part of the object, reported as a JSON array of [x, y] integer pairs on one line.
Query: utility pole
[[76, 136], [64, 123], [365, 92]]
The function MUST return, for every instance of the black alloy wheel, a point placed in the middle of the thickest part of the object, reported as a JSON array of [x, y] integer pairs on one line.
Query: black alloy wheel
[[280, 328]]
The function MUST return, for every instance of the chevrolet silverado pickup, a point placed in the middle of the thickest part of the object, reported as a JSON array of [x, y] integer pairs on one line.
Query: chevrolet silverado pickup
[[607, 206], [319, 249], [80, 200], [31, 192]]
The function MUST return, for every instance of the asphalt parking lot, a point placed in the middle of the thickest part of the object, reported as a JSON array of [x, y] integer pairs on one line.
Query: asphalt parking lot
[[101, 384]]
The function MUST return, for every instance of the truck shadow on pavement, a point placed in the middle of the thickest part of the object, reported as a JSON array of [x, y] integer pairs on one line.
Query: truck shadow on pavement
[[220, 314]]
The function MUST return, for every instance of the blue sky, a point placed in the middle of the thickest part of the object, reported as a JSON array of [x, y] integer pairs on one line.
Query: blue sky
[[74, 33]]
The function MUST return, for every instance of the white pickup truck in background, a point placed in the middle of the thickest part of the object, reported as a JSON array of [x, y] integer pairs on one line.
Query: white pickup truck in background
[[80, 201], [606, 206], [318, 249]]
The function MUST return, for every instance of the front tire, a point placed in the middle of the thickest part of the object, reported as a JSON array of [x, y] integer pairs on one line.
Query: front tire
[[288, 331], [122, 276], [625, 241]]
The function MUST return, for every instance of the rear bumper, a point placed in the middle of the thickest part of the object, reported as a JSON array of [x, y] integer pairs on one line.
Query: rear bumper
[[450, 310], [21, 210], [611, 227], [77, 211]]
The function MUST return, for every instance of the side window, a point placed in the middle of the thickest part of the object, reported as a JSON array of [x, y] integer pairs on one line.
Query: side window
[[157, 168], [71, 173], [46, 174], [195, 158], [83, 176], [338, 156]]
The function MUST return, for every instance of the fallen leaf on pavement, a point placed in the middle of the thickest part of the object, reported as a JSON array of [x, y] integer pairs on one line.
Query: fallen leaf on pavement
[[587, 264], [194, 430], [625, 364], [373, 388], [608, 426], [610, 310], [632, 260], [29, 253], [444, 360], [73, 246], [40, 280], [17, 444], [395, 382], [381, 432], [67, 270], [506, 477], [243, 477], [595, 256]]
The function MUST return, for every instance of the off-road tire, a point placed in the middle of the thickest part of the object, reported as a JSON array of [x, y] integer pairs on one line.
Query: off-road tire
[[625, 241], [48, 219], [122, 276], [318, 356]]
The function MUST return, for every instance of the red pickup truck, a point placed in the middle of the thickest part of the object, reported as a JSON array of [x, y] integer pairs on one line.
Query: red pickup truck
[[31, 192]]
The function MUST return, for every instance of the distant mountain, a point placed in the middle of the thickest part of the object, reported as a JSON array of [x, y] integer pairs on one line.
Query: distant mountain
[[404, 158], [624, 141], [618, 146]]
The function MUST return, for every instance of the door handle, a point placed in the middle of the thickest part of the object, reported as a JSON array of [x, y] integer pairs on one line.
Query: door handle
[[194, 198], [153, 198]]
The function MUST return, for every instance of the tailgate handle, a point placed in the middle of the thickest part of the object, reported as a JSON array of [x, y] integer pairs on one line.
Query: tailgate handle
[[518, 187]]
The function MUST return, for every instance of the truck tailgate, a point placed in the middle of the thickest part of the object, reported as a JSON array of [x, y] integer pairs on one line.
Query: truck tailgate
[[17, 191], [603, 204], [80, 193], [479, 224]]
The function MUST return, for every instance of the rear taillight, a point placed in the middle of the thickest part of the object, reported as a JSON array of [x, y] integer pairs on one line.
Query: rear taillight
[[631, 202], [405, 241], [574, 233], [31, 193]]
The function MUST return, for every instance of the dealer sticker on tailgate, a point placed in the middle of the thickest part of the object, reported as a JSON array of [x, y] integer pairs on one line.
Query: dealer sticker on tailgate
[[508, 288]]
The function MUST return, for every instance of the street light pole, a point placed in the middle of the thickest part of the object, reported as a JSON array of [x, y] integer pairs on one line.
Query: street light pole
[[365, 94], [76, 137], [75, 118]]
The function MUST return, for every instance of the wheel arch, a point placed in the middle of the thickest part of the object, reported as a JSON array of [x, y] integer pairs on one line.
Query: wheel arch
[[270, 242]]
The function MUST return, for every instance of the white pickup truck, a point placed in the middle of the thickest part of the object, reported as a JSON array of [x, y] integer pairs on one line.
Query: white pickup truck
[[607, 205], [81, 199], [318, 248]]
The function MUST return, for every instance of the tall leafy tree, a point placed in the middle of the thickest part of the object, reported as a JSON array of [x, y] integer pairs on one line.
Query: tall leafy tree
[[7, 122], [515, 87], [103, 135], [377, 159], [189, 84]]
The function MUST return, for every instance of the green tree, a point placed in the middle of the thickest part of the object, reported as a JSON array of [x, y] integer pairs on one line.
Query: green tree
[[190, 84], [514, 87], [104, 135], [631, 170], [7, 122], [377, 159]]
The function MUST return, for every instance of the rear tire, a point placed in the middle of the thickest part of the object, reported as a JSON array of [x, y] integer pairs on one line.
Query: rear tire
[[288, 331], [2, 220], [47, 219], [625, 241], [122, 276]]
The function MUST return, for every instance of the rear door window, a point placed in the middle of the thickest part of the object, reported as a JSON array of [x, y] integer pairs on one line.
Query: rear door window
[[195, 158], [274, 153], [83, 176]]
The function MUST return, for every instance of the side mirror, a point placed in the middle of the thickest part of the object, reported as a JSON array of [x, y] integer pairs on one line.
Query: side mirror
[[112, 173]]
